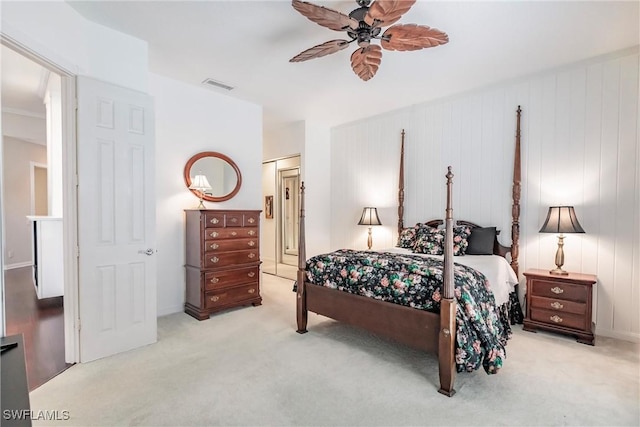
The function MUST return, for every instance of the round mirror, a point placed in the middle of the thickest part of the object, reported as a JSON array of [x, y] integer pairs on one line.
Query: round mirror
[[213, 174]]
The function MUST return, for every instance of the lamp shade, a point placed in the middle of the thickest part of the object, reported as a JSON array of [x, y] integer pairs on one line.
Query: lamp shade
[[369, 217], [200, 183], [561, 219]]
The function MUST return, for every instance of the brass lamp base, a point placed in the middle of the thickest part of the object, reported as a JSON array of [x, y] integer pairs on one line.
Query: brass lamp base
[[559, 258]]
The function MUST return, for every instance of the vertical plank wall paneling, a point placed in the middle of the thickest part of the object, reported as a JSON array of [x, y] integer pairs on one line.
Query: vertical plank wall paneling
[[579, 147]]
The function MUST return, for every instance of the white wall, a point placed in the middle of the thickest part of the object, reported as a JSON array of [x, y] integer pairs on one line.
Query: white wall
[[16, 181], [579, 147], [27, 128], [54, 30], [190, 119]]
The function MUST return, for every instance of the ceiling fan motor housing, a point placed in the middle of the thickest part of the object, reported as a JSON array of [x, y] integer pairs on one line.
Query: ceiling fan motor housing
[[365, 32]]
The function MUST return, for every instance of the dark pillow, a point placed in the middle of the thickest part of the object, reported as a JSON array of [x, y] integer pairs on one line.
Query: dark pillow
[[481, 241]]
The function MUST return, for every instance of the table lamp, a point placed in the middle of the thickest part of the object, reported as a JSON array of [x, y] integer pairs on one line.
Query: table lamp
[[561, 219]]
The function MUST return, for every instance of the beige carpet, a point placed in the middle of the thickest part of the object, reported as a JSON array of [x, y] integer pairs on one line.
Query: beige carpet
[[247, 366]]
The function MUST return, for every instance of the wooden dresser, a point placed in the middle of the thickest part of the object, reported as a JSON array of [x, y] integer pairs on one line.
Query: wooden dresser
[[222, 260], [560, 303]]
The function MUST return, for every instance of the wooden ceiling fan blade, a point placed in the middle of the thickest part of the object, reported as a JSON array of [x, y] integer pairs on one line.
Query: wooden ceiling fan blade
[[385, 12], [323, 49], [366, 61], [324, 16], [412, 37]]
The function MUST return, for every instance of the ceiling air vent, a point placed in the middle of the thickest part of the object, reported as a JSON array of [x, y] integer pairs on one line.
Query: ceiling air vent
[[211, 82]]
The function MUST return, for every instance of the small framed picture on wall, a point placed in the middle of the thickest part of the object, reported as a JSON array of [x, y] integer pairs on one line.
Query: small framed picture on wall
[[268, 207]]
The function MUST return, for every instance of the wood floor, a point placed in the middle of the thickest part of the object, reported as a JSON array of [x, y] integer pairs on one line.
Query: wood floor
[[41, 322]]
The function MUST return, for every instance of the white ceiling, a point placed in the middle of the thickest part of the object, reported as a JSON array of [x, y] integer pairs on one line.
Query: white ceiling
[[247, 45], [23, 84]]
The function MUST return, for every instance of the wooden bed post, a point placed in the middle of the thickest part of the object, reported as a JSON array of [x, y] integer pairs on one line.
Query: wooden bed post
[[401, 188], [515, 195], [446, 337], [301, 291]]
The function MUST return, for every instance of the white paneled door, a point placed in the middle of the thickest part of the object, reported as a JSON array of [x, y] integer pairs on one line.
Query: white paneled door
[[116, 219]]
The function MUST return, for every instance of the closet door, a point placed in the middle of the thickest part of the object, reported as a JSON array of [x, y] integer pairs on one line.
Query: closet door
[[116, 219]]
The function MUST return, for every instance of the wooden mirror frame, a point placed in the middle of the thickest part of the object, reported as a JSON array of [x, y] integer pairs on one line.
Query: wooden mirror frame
[[207, 197]]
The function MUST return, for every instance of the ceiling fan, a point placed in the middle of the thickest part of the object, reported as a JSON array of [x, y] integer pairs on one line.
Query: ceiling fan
[[365, 24]]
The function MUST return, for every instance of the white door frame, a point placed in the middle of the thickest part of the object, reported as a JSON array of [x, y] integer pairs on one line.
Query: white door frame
[[69, 200]]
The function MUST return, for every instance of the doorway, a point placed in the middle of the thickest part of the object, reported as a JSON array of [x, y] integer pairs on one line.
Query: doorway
[[32, 157], [281, 189]]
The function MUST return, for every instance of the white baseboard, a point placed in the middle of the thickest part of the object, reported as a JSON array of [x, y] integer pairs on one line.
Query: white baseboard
[[625, 336], [165, 311], [18, 265]]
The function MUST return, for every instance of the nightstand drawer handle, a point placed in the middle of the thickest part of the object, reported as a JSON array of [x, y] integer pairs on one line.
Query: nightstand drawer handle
[[214, 280], [251, 291], [557, 290], [557, 305], [215, 259], [251, 274], [214, 220], [215, 298], [214, 234], [556, 319], [251, 255]]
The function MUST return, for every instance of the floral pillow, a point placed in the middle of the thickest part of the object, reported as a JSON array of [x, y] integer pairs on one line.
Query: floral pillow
[[407, 238], [461, 235], [429, 240]]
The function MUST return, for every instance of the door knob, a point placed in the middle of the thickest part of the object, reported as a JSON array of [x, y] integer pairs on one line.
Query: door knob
[[146, 252]]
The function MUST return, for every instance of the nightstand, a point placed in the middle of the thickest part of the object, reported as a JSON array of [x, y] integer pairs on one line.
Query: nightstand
[[560, 303]]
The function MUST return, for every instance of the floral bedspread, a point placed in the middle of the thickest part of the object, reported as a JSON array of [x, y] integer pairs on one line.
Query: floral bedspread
[[415, 281]]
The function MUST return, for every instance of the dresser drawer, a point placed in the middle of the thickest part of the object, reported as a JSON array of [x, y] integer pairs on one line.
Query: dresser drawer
[[251, 219], [222, 279], [559, 290], [214, 219], [223, 259], [566, 320], [212, 246], [231, 295], [558, 305], [229, 233]]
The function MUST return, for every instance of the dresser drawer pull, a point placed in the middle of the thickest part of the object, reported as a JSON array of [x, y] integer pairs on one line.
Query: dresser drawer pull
[[252, 243], [556, 319], [251, 274], [251, 255], [214, 246], [251, 220], [251, 291], [234, 220], [214, 220], [233, 233], [557, 290], [215, 298], [214, 234], [557, 305], [215, 280], [252, 233], [215, 259]]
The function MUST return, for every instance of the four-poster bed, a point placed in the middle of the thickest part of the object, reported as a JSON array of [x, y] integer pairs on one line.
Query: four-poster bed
[[433, 332]]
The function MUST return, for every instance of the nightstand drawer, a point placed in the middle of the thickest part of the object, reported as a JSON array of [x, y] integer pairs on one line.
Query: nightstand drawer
[[559, 290], [566, 320], [228, 296], [558, 305], [223, 279]]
